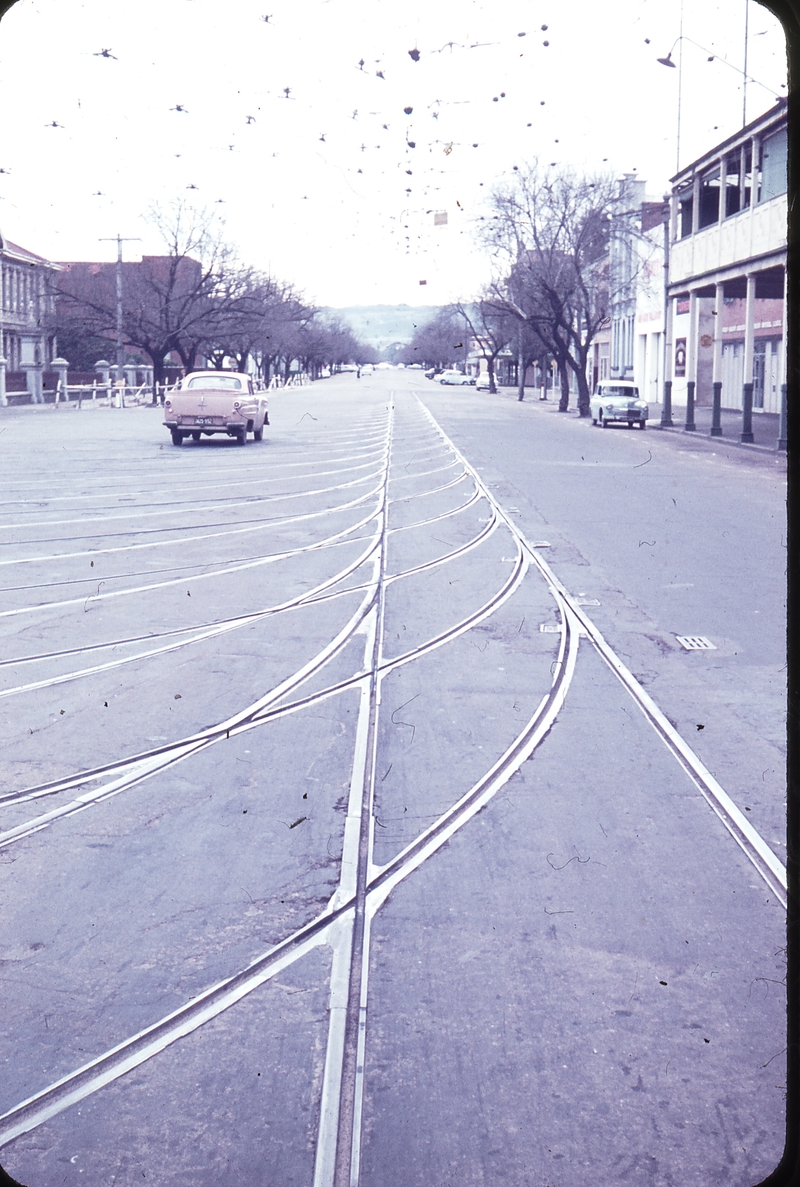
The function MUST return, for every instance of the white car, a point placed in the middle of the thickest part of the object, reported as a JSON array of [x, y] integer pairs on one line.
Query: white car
[[618, 400], [456, 378]]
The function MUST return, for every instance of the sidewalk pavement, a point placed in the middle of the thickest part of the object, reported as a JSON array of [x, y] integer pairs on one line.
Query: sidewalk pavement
[[765, 424]]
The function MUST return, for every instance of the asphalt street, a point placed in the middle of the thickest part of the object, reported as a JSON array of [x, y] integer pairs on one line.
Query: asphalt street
[[364, 822]]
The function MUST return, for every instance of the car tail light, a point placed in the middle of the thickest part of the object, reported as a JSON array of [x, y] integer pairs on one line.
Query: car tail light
[[168, 403], [236, 405]]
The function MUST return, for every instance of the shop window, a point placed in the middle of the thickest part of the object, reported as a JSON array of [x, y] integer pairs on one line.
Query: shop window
[[773, 166], [709, 198]]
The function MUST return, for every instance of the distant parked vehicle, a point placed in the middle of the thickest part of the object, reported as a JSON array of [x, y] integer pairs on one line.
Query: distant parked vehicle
[[618, 400], [209, 402], [482, 382], [456, 378]]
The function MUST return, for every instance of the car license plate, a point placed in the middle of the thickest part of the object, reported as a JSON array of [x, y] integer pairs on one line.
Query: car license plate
[[204, 420]]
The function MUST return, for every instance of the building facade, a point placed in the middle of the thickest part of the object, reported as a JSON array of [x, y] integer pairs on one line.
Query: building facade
[[27, 315], [727, 270], [632, 347]]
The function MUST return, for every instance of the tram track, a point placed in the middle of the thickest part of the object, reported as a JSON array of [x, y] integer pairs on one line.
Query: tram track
[[344, 924]]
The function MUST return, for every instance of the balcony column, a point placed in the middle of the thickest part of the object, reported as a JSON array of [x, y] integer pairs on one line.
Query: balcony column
[[747, 372], [669, 362], [716, 374], [782, 426], [691, 360]]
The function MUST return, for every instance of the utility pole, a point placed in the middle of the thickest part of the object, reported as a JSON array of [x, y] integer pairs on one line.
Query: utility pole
[[118, 239], [744, 81]]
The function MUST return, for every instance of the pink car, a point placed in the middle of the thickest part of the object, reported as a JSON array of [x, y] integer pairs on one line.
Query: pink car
[[209, 402]]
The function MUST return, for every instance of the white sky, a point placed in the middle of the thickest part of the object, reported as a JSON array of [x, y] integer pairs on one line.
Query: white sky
[[334, 218]]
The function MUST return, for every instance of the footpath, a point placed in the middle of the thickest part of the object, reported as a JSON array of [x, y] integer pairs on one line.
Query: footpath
[[765, 426]]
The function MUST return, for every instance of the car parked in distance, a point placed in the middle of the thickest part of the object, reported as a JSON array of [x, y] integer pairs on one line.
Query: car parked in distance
[[617, 400], [482, 382], [222, 402], [456, 378]]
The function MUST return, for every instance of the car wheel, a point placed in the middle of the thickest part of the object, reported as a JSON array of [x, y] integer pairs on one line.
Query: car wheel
[[241, 437], [594, 420], [177, 438], [630, 424], [642, 424], [195, 436], [258, 433]]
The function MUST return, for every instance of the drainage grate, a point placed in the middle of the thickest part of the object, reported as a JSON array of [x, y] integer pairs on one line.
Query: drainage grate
[[586, 602], [696, 643], [550, 628]]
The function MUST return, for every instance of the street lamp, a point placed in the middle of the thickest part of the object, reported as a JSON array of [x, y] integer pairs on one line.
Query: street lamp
[[711, 57]]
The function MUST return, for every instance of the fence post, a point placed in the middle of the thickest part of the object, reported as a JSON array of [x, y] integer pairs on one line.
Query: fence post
[[103, 369], [61, 366], [3, 365]]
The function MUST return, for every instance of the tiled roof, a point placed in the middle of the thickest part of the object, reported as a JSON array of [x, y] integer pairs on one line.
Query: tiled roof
[[22, 255]]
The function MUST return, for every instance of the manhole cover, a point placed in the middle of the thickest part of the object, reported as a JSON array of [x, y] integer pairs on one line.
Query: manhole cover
[[695, 643]]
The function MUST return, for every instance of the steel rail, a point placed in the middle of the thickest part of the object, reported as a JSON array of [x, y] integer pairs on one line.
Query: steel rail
[[149, 1042], [196, 510], [749, 840], [252, 526]]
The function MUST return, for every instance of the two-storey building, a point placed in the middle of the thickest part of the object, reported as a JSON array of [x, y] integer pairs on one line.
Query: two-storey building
[[727, 270], [27, 312]]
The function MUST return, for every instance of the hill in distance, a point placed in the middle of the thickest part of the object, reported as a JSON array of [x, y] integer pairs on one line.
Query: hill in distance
[[381, 325]]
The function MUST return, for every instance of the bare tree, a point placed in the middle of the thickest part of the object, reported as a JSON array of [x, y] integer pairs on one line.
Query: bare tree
[[493, 327], [172, 302], [549, 233], [437, 342]]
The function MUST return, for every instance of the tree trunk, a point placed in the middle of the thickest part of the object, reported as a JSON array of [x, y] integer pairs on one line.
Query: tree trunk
[[158, 371], [522, 367], [583, 385], [563, 375], [492, 384]]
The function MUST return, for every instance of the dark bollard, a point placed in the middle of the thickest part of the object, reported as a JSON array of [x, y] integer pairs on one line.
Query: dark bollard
[[690, 426], [666, 407], [747, 415], [782, 441], [716, 410]]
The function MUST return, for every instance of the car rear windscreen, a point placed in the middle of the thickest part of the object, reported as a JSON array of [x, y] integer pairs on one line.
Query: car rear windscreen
[[227, 382]]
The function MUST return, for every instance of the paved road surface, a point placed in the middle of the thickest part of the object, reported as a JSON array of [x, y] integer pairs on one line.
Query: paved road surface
[[364, 821]]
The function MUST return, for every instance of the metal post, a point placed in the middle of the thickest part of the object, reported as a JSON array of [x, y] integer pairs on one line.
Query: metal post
[[747, 414], [716, 410], [666, 408], [782, 438], [3, 396], [119, 242], [690, 426]]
